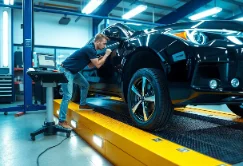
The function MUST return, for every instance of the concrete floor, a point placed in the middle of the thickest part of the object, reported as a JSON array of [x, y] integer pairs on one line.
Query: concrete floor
[[17, 149]]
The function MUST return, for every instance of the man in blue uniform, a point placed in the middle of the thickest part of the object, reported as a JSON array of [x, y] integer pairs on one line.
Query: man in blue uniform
[[71, 67]]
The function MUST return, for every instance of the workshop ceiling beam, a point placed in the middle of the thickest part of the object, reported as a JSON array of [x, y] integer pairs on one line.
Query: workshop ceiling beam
[[225, 10], [107, 7], [235, 16], [156, 6], [103, 10], [183, 11], [234, 2], [144, 13]]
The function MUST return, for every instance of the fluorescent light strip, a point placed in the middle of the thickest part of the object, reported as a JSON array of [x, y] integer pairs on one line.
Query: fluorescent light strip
[[206, 13], [5, 39], [11, 2], [6, 2], [135, 11], [91, 6]]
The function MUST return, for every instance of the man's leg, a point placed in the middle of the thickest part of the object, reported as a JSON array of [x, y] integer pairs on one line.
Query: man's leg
[[67, 94], [84, 88]]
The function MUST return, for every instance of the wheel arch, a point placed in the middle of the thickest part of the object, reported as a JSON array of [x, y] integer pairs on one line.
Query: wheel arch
[[140, 59]]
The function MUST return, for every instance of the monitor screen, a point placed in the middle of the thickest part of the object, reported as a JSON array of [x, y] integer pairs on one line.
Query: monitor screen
[[46, 61]]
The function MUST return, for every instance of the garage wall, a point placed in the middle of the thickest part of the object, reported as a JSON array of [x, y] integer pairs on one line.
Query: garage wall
[[49, 32]]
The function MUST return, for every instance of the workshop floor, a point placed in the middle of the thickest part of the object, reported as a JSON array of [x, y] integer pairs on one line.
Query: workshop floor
[[17, 149]]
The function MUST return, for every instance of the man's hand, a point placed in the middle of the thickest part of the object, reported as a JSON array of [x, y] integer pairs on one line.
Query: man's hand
[[98, 62], [91, 65], [108, 51]]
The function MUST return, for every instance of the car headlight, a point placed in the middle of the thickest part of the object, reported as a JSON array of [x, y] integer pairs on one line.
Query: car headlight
[[208, 36], [193, 36], [197, 37]]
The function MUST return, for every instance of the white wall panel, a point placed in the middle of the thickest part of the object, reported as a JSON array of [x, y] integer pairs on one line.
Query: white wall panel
[[47, 30]]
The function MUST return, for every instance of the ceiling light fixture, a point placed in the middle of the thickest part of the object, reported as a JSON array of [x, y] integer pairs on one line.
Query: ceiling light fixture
[[11, 2], [135, 11], [8, 2], [91, 6], [206, 13]]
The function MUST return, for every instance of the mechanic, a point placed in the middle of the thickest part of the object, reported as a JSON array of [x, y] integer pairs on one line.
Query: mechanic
[[72, 66]]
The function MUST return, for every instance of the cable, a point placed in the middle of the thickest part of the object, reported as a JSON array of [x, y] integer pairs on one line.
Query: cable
[[37, 161]]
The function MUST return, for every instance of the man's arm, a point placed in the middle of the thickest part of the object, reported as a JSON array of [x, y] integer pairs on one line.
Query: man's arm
[[91, 65], [98, 62]]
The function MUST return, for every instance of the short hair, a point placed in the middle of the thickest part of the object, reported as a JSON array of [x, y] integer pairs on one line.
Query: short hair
[[100, 36]]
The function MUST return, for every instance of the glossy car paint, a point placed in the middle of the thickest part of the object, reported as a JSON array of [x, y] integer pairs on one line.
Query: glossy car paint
[[188, 66]]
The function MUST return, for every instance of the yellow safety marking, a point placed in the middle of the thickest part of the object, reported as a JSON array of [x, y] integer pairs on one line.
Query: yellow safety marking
[[127, 145], [211, 113]]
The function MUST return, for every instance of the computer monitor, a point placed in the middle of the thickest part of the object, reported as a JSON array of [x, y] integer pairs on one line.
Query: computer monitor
[[46, 61]]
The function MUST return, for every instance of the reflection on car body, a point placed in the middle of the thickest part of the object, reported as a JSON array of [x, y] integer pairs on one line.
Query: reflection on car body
[[157, 69]]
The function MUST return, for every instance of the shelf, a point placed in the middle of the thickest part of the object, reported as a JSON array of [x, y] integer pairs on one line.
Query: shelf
[[6, 95], [5, 91], [18, 69], [6, 88], [18, 82]]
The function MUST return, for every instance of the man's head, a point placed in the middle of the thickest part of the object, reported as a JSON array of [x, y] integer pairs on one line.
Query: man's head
[[100, 41]]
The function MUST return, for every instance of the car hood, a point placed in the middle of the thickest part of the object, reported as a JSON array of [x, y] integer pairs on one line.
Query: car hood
[[224, 24]]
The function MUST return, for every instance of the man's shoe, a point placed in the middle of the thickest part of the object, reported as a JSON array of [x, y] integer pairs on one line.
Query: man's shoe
[[64, 124], [85, 107]]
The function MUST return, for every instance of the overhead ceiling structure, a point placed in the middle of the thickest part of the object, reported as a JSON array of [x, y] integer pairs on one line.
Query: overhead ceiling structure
[[157, 11]]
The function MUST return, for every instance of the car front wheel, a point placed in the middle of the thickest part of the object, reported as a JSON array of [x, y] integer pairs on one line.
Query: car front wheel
[[236, 108], [149, 101]]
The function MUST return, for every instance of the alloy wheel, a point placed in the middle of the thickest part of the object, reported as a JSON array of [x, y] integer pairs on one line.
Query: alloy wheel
[[142, 99]]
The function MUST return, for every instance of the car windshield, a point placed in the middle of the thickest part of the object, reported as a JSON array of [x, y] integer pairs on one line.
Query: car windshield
[[138, 27]]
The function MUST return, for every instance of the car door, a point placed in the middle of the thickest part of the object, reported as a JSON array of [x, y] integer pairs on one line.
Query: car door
[[108, 77]]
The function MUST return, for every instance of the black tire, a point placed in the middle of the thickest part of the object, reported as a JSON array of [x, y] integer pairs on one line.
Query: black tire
[[159, 114], [236, 108]]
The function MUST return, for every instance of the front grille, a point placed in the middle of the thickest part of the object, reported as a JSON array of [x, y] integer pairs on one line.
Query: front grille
[[221, 71]]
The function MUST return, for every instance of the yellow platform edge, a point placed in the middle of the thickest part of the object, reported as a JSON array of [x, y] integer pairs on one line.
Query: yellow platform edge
[[127, 145], [211, 113]]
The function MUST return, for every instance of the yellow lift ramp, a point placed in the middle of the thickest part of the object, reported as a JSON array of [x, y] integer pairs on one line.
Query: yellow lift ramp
[[214, 139]]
